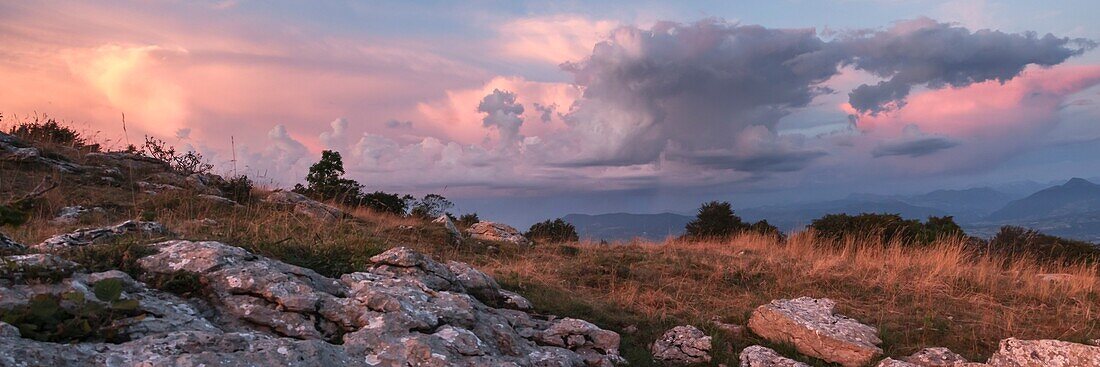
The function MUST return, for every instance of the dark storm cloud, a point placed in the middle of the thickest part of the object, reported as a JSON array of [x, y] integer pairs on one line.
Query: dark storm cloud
[[771, 161], [915, 147], [700, 86], [925, 52]]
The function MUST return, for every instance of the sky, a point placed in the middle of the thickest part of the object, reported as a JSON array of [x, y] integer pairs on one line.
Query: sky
[[523, 111]]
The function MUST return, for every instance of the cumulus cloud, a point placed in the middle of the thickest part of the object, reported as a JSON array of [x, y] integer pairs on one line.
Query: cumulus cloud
[[693, 86], [926, 52], [504, 114], [335, 139]]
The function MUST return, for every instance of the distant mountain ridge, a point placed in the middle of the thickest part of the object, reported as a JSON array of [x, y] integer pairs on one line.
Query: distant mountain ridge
[[1076, 196]]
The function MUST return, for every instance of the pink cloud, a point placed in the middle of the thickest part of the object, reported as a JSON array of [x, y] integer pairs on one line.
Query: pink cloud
[[553, 39]]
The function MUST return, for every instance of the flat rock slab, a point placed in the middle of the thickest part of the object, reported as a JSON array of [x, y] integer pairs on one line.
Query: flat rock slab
[[1044, 353], [758, 356], [813, 329]]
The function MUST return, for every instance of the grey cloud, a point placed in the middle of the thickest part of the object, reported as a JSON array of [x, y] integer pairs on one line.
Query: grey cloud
[[397, 124], [914, 147], [545, 112], [504, 113], [926, 52], [771, 161]]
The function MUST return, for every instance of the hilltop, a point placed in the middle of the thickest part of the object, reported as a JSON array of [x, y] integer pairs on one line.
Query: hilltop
[[271, 275]]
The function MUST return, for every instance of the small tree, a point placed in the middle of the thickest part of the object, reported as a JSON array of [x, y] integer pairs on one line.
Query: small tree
[[467, 220], [384, 202], [763, 227], [714, 220], [431, 206], [325, 180], [553, 231]]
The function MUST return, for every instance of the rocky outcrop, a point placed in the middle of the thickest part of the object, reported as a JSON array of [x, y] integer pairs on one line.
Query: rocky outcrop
[[682, 345], [936, 357], [758, 356], [447, 223], [492, 231], [8, 244], [305, 206], [813, 329], [405, 310], [1044, 353], [87, 236]]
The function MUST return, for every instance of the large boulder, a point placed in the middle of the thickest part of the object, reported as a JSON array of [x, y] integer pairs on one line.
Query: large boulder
[[493, 231], [758, 356], [1044, 353], [813, 329], [88, 236], [682, 345], [305, 206]]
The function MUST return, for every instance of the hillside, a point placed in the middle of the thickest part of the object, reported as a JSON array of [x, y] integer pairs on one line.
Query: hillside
[[265, 284], [1074, 197]]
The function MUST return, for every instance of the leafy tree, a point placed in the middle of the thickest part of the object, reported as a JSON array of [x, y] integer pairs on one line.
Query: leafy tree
[[326, 181], [553, 231], [714, 220], [431, 206], [467, 220]]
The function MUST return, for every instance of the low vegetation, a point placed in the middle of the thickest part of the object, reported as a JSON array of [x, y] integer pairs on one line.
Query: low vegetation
[[950, 291], [72, 317]]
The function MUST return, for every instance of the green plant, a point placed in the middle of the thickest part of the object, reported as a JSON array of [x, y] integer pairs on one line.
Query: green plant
[[47, 130], [71, 317], [714, 220], [238, 188], [184, 283], [12, 216], [1015, 241], [889, 227], [325, 180], [467, 220], [553, 231], [109, 256], [386, 203]]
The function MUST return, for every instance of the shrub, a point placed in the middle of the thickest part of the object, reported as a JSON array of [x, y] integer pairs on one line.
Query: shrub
[[1015, 241], [48, 131], [888, 227], [431, 206], [186, 163], [12, 216], [763, 227], [467, 220], [70, 317], [386, 203], [103, 257], [714, 220], [238, 189], [553, 231], [183, 283]]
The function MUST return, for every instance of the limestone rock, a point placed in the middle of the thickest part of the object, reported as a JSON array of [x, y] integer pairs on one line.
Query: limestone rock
[[20, 263], [8, 331], [87, 236], [890, 362], [936, 357], [492, 231], [217, 200], [9, 244], [811, 326], [72, 214], [682, 345], [1044, 353], [447, 223], [305, 206], [758, 356]]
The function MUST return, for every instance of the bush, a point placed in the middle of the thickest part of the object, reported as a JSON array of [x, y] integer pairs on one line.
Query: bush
[[48, 131], [386, 203], [714, 220], [238, 189], [431, 206], [467, 220], [70, 317], [765, 228], [12, 216], [1015, 241], [185, 163], [552, 231], [888, 227]]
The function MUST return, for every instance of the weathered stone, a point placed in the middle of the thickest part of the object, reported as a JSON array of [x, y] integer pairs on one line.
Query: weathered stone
[[1044, 353], [305, 206], [8, 331], [515, 301], [6, 243], [890, 362], [52, 262], [758, 356], [492, 231], [447, 223], [814, 330], [87, 236], [682, 345], [935, 357], [72, 214], [217, 200]]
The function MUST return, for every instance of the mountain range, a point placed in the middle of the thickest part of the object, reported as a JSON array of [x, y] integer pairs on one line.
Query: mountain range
[[1071, 209]]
